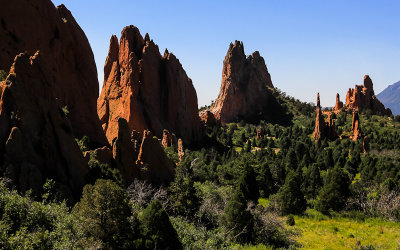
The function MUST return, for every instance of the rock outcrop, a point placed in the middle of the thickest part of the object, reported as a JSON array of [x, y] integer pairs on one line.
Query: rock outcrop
[[125, 152], [166, 139], [362, 97], [355, 126], [36, 140], [181, 152], [28, 26], [322, 128], [208, 118], [246, 88], [339, 104], [153, 161], [152, 92]]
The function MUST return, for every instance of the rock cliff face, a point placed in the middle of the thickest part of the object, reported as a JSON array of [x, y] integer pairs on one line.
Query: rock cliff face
[[322, 128], [36, 140], [152, 92], [38, 25], [245, 89], [363, 97]]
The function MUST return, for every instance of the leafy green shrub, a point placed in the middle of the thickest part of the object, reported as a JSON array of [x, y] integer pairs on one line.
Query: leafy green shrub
[[28, 224]]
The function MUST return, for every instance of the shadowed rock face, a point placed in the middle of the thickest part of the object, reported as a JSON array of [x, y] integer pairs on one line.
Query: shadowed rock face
[[36, 140], [245, 87], [153, 162], [29, 26], [363, 97], [152, 92]]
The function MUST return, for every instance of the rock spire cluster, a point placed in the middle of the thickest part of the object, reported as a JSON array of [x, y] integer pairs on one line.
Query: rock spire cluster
[[152, 92]]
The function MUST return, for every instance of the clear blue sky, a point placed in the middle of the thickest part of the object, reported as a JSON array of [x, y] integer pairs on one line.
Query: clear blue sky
[[309, 46]]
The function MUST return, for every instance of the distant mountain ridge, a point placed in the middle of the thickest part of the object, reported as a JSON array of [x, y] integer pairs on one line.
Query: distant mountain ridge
[[390, 97]]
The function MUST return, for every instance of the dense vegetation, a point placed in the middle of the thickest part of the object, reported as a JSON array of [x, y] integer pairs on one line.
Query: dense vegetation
[[236, 190]]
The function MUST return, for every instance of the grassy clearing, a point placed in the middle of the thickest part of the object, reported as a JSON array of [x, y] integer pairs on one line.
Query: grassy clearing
[[321, 232]]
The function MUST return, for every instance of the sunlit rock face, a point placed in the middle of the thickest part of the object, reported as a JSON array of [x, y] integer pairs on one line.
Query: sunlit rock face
[[151, 91]]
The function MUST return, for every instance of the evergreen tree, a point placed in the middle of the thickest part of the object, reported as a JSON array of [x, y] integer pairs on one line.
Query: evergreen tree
[[334, 193], [291, 160], [248, 184], [157, 229], [290, 196], [103, 214], [265, 181], [184, 200], [312, 181], [237, 219]]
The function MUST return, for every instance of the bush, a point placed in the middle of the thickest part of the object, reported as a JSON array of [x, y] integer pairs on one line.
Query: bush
[[290, 220], [25, 223]]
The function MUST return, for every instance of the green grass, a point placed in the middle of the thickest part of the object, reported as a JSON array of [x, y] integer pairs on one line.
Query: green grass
[[321, 232]]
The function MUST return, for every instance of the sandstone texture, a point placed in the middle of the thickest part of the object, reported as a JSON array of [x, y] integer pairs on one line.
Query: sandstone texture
[[245, 89], [152, 92], [28, 26], [36, 139], [362, 97]]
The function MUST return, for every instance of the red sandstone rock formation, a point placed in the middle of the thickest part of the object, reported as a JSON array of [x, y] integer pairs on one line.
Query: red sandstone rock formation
[[166, 139], [36, 140], [363, 97], [153, 160], [245, 87], [208, 118], [152, 92], [355, 126], [125, 153], [181, 152], [319, 130], [339, 104], [29, 26], [323, 129]]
